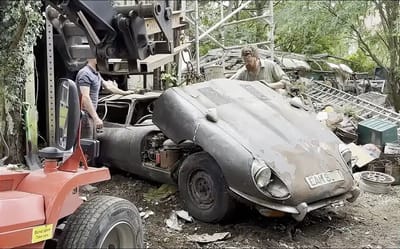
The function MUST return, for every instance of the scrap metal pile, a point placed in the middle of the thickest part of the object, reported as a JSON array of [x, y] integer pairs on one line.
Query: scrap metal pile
[[219, 62], [231, 60]]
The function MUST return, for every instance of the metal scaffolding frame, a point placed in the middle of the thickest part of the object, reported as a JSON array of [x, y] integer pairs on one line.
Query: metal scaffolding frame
[[227, 11], [201, 33]]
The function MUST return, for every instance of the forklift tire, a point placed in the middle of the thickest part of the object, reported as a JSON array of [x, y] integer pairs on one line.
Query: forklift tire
[[103, 222]]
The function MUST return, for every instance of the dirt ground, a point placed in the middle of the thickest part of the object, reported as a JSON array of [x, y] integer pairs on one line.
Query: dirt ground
[[373, 221]]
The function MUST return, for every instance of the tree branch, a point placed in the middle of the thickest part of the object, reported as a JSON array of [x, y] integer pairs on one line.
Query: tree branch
[[359, 36], [392, 10], [382, 15], [366, 47], [383, 40]]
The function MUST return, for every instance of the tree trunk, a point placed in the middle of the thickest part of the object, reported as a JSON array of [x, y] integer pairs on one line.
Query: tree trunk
[[390, 18], [261, 32], [394, 93]]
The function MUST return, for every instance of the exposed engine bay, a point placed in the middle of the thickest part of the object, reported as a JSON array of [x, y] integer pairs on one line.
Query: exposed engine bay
[[131, 142], [161, 152]]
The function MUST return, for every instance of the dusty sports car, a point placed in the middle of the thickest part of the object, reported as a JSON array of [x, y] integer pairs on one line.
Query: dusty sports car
[[225, 141]]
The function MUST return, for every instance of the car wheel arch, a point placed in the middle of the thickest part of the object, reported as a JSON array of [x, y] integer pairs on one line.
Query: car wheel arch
[[220, 158]]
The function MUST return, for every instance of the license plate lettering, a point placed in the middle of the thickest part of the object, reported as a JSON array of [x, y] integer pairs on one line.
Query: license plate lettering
[[324, 178]]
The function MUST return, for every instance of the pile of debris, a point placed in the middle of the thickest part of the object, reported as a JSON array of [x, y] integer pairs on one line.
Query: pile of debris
[[370, 132], [218, 63]]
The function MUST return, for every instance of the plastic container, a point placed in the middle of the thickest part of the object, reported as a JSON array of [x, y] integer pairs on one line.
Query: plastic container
[[376, 131], [214, 72]]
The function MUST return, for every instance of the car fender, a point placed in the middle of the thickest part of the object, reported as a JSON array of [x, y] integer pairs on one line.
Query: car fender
[[180, 121]]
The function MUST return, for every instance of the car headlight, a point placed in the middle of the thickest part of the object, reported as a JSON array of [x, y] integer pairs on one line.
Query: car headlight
[[261, 173], [346, 154], [267, 182], [278, 189]]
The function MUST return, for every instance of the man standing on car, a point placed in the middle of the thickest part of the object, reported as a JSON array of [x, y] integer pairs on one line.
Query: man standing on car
[[90, 81], [265, 70]]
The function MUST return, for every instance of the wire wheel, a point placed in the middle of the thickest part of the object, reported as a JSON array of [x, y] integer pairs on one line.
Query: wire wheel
[[375, 182], [377, 177]]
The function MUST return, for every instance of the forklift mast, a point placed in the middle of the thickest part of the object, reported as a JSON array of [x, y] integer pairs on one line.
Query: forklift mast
[[97, 29], [125, 39]]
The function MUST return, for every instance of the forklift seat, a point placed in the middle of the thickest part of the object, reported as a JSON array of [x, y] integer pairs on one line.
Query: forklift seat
[[51, 153]]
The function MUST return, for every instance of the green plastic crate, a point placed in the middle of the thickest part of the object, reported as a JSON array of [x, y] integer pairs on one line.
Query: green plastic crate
[[376, 131]]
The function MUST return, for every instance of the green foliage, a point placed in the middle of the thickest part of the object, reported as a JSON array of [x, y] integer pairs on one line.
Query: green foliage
[[206, 46], [230, 35], [21, 23], [305, 27], [169, 80], [374, 25], [315, 27], [361, 62]]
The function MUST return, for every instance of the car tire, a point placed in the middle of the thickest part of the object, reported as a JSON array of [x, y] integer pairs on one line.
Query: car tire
[[203, 189], [103, 222]]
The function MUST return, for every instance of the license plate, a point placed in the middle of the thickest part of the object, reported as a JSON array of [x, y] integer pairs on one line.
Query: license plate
[[41, 233], [324, 178]]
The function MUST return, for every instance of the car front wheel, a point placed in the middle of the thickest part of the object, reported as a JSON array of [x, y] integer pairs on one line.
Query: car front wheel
[[203, 189]]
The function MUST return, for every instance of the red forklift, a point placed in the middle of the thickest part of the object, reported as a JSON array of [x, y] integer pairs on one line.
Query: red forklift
[[44, 206]]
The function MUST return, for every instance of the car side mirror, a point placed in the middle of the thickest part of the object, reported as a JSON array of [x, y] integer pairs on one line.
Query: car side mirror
[[67, 114]]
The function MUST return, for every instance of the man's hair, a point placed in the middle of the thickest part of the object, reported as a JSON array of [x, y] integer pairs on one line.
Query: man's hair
[[252, 50]]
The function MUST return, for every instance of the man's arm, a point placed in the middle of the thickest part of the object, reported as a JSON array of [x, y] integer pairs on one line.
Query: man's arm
[[276, 85], [113, 88], [283, 81], [239, 75], [88, 106]]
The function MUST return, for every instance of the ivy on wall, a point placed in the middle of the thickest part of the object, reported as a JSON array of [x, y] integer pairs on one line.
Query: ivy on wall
[[21, 24]]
